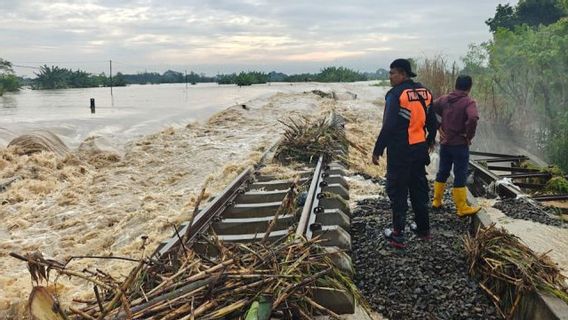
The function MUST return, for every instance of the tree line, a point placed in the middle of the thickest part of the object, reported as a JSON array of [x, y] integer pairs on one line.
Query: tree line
[[8, 80], [520, 74], [55, 77]]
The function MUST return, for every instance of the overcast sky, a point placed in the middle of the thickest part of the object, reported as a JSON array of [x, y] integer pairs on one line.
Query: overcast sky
[[231, 35]]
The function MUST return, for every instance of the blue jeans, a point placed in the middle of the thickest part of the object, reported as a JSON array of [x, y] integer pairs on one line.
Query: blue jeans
[[458, 156]]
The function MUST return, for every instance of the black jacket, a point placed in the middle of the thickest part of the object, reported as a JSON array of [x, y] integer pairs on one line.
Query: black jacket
[[407, 124]]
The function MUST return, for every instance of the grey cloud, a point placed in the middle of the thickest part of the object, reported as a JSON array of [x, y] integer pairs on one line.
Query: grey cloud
[[228, 34]]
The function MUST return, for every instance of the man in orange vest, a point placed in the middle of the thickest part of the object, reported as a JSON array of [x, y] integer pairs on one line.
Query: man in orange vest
[[408, 134], [459, 122]]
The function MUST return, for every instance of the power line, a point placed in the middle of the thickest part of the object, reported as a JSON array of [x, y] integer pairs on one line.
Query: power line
[[27, 67], [63, 62]]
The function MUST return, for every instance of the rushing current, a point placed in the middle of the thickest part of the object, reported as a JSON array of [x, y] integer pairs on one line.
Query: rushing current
[[129, 112]]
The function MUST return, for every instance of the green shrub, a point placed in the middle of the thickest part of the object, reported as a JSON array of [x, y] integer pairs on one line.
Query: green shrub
[[9, 82], [557, 185]]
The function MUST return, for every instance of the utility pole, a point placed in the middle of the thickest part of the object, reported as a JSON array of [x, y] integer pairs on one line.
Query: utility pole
[[186, 79], [110, 65]]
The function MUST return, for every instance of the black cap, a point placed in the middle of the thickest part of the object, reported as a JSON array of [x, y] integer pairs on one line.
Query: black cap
[[403, 64]]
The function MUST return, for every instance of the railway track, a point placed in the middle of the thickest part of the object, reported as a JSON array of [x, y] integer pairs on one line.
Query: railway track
[[509, 179], [305, 219], [243, 212], [248, 210], [521, 186]]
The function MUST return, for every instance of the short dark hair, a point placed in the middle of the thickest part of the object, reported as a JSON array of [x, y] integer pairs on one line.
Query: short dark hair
[[464, 82]]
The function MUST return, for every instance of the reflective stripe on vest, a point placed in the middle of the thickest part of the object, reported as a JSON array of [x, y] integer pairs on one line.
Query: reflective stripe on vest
[[412, 110]]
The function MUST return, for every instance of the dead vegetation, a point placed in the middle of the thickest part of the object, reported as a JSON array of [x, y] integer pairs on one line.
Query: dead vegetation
[[436, 74], [280, 276], [304, 140], [508, 270]]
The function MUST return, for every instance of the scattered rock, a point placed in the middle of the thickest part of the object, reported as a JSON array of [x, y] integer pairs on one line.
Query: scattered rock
[[428, 280], [527, 210], [323, 94], [344, 96]]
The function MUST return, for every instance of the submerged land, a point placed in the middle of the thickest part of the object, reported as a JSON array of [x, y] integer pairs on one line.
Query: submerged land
[[97, 199]]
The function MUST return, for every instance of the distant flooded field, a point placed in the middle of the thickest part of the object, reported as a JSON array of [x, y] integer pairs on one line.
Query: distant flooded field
[[131, 111]]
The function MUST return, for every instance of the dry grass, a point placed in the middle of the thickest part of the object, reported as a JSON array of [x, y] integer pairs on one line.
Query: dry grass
[[360, 135], [361, 130], [508, 269], [280, 172], [437, 75], [304, 140], [279, 276]]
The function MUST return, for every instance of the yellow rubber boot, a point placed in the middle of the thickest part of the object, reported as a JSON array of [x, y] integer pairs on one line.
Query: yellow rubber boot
[[460, 198], [438, 194]]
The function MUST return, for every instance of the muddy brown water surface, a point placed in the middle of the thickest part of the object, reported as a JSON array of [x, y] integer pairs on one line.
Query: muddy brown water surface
[[100, 201]]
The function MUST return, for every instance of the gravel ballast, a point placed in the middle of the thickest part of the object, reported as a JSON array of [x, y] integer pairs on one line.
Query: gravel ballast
[[428, 279], [525, 210]]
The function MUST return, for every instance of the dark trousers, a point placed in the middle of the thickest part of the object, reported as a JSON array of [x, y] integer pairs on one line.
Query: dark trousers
[[407, 176], [458, 156]]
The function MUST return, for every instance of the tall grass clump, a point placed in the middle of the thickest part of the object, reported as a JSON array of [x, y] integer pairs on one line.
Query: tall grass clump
[[437, 74]]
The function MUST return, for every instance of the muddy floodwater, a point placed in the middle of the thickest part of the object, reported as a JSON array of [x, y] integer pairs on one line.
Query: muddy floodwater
[[135, 167], [130, 112]]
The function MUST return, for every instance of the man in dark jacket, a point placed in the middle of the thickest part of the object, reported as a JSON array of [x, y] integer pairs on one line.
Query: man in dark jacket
[[458, 113], [408, 132]]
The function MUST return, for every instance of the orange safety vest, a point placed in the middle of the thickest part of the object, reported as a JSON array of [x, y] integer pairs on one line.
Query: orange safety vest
[[412, 109]]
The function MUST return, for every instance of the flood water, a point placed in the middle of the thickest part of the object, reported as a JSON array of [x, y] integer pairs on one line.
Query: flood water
[[98, 202], [131, 111]]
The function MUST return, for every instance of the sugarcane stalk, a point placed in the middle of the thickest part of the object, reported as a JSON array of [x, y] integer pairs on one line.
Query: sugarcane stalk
[[81, 313], [189, 288], [182, 269], [62, 271], [290, 288], [98, 296], [197, 312], [118, 293], [286, 203], [126, 307], [194, 212], [227, 310], [199, 276], [167, 304]]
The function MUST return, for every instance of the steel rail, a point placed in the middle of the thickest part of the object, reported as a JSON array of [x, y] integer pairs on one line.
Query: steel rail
[[307, 210], [504, 190], [205, 216], [511, 169], [215, 207], [497, 155]]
